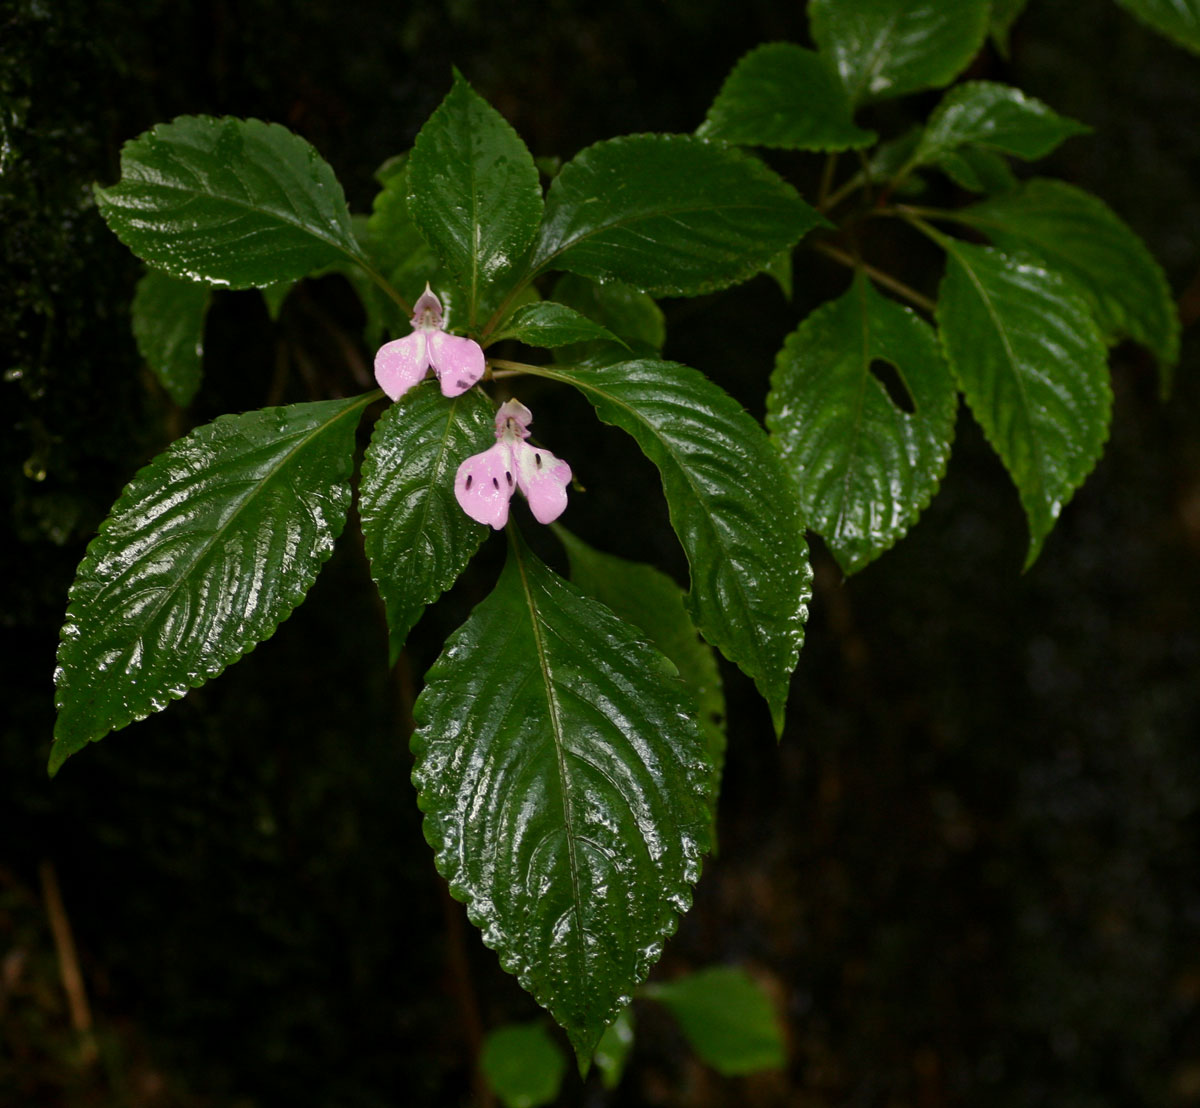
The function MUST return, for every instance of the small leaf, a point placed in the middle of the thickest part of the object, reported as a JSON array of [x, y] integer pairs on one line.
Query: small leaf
[[978, 170], [274, 296], [523, 1065], [887, 48], [1179, 20], [475, 195], [234, 202], [631, 315], [648, 599], [168, 323], [394, 244], [735, 509], [563, 786], [727, 1017], [671, 214], [779, 269], [548, 325], [1029, 360], [417, 537], [865, 467], [613, 1050], [207, 550], [1078, 235], [1004, 14], [782, 95], [996, 117]]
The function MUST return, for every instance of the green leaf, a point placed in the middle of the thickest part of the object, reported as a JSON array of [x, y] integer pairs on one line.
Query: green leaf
[[732, 504], [168, 323], [417, 537], [1030, 362], [548, 325], [865, 467], [1179, 20], [613, 1050], [1078, 235], [523, 1065], [650, 600], [782, 95], [632, 316], [234, 202], [671, 214], [1004, 14], [996, 117], [206, 551], [978, 170], [475, 195], [727, 1017], [563, 786], [394, 244], [779, 269], [887, 48], [274, 296]]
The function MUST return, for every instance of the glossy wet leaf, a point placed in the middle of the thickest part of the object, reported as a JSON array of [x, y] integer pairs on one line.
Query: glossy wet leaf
[[978, 170], [614, 1048], [627, 312], [865, 467], [669, 214], [735, 509], [233, 202], [417, 537], [727, 1017], [207, 550], [396, 247], [564, 790], [887, 48], [1030, 361], [168, 322], [781, 95], [1078, 235], [548, 325], [996, 117], [475, 195], [1179, 20], [523, 1065], [648, 599]]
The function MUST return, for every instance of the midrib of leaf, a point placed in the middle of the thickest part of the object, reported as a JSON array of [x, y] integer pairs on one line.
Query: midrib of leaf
[[873, 54], [719, 541], [168, 591], [556, 727], [858, 412], [1008, 350]]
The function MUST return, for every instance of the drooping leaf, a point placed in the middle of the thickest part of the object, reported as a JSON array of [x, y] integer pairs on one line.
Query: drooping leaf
[[671, 214], [735, 509], [417, 537], [206, 551], [563, 785], [523, 1065], [650, 600], [865, 466], [1030, 361], [475, 195], [168, 323], [274, 296], [996, 117], [779, 269], [887, 48], [631, 315], [978, 170], [782, 95], [1179, 20], [1078, 235], [612, 1052], [1004, 14], [727, 1017], [234, 202], [548, 324]]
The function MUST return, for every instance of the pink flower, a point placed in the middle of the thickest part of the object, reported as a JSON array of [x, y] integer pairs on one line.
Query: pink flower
[[485, 482], [401, 363]]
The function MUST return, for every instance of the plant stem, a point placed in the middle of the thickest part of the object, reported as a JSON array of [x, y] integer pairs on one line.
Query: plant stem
[[878, 275]]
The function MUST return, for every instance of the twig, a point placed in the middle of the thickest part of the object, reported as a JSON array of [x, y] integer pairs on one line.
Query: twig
[[68, 964], [878, 275]]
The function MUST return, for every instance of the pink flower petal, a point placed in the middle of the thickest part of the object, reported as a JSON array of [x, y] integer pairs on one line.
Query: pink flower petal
[[543, 479], [458, 362], [484, 485], [401, 363], [513, 419]]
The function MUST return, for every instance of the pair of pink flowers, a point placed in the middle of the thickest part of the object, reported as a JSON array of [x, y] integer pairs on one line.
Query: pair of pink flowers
[[485, 482]]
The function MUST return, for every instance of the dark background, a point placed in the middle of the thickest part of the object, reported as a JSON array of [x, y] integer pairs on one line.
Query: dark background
[[968, 874]]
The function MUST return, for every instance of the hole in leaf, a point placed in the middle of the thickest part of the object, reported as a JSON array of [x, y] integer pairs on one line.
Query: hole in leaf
[[887, 375]]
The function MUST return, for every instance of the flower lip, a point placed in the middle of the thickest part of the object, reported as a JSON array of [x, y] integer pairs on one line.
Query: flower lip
[[401, 363]]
